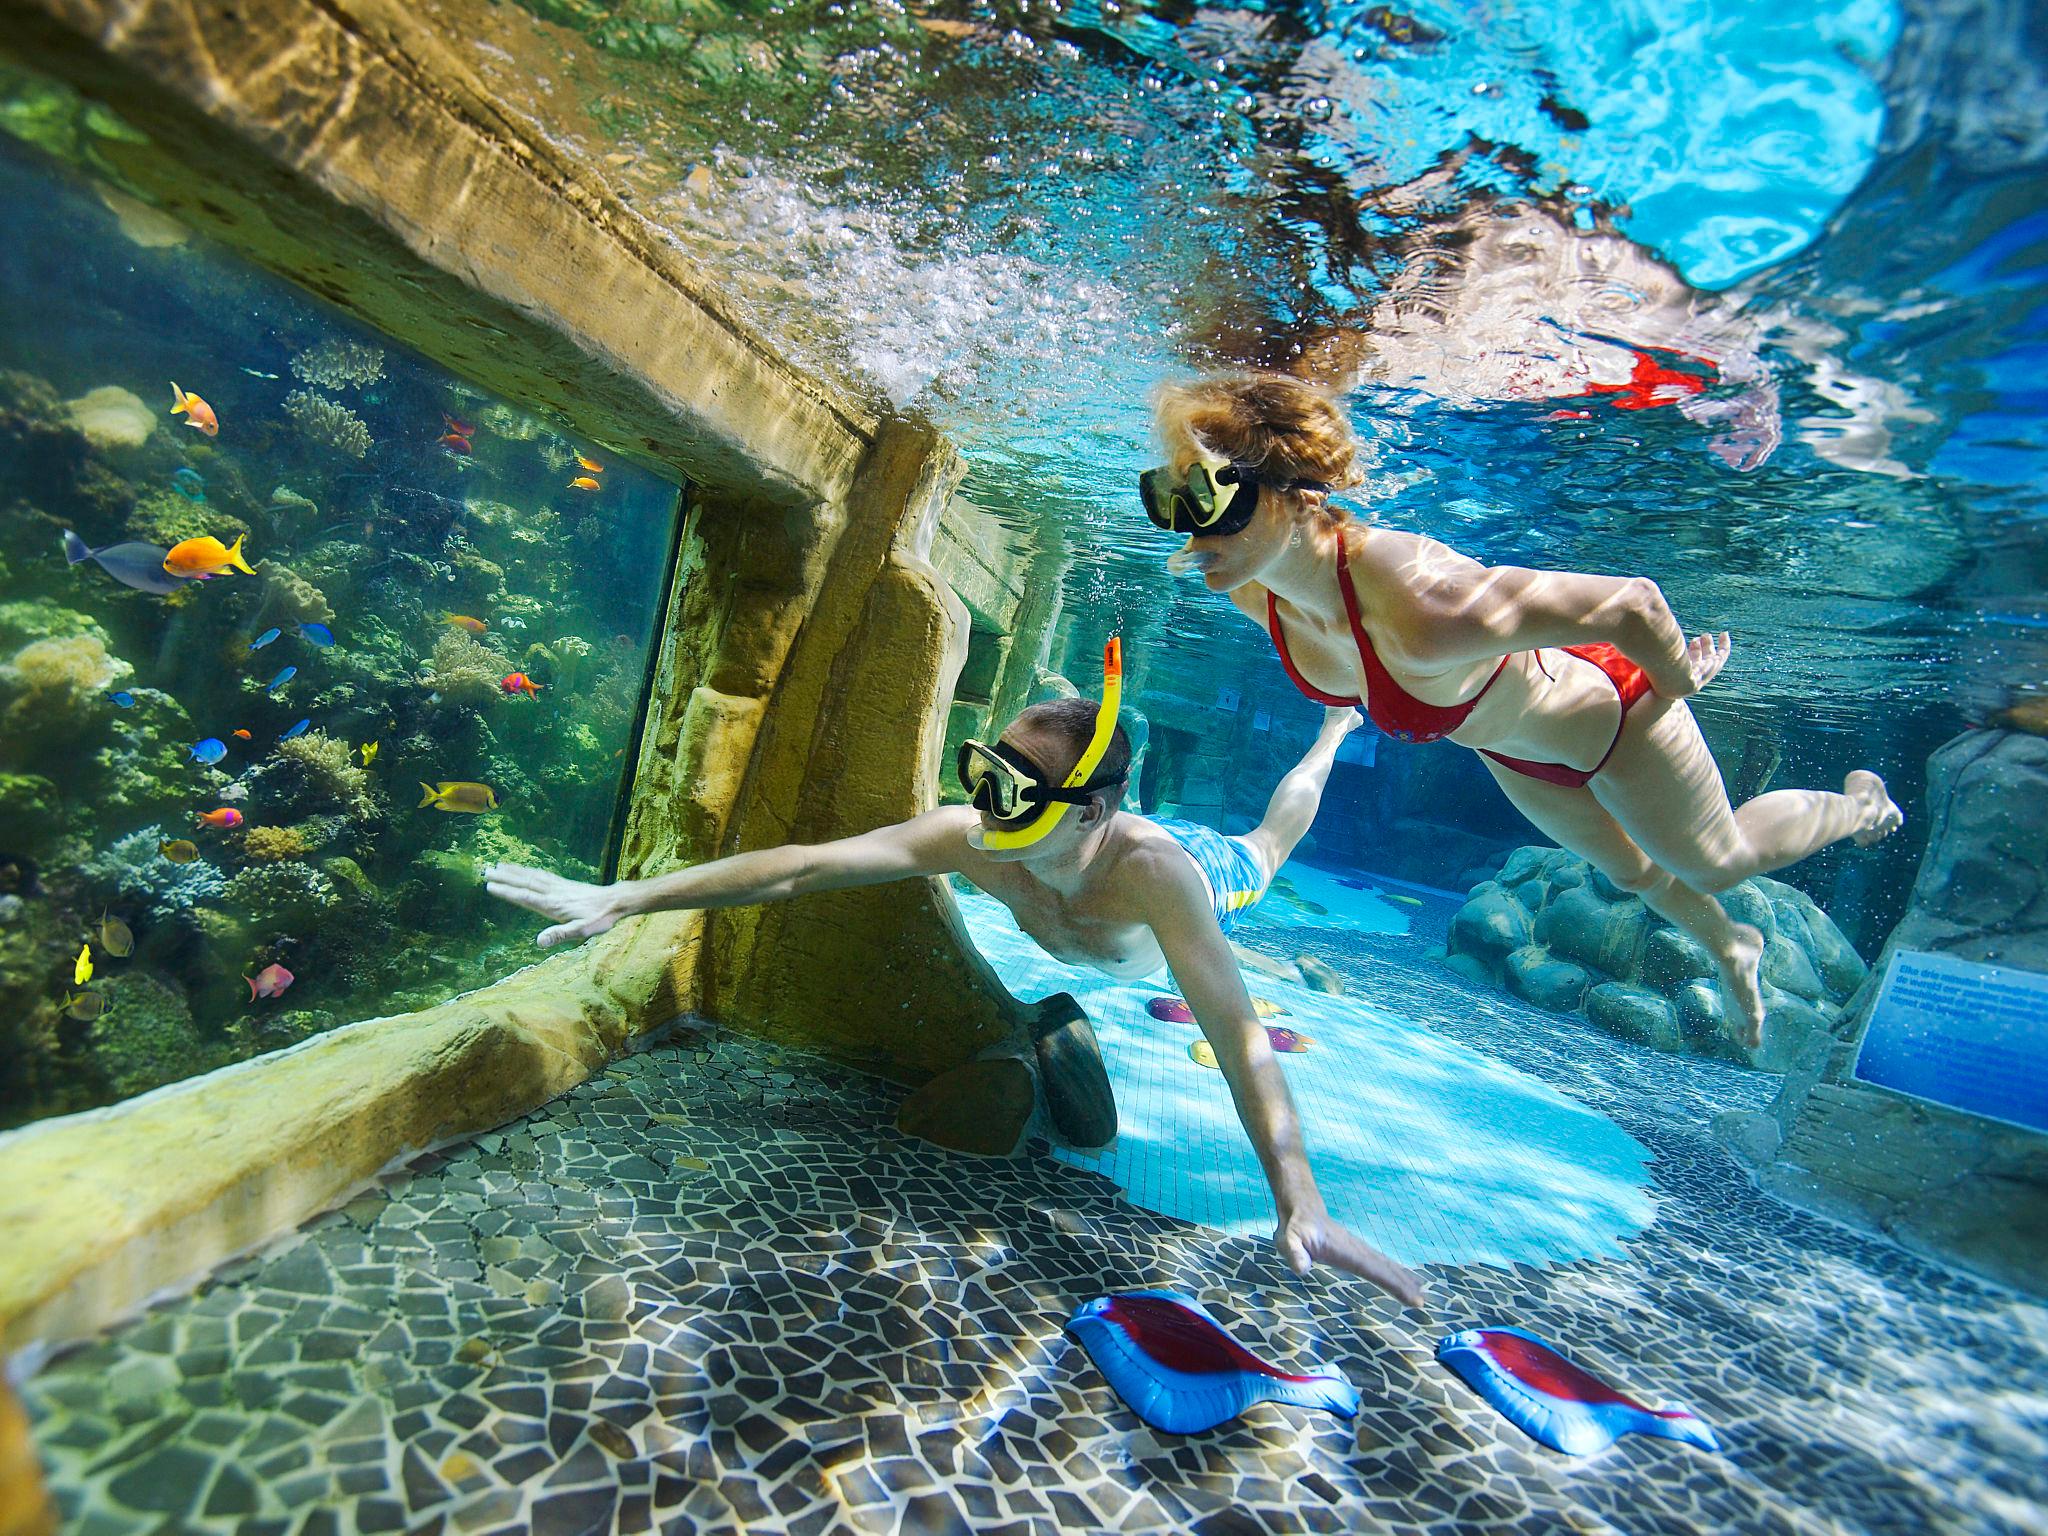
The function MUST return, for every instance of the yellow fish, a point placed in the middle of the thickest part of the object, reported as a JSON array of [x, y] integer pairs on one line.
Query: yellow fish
[[179, 850], [459, 795], [206, 556], [369, 751], [590, 464], [81, 973], [115, 937], [194, 410], [583, 483]]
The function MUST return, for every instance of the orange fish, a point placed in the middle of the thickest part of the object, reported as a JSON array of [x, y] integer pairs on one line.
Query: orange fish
[[243, 733], [590, 464], [583, 483], [456, 428], [195, 410], [519, 682], [227, 816], [206, 556], [464, 621], [455, 443]]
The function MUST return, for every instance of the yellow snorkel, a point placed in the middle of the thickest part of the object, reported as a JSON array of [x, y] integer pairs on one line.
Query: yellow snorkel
[[1098, 744]]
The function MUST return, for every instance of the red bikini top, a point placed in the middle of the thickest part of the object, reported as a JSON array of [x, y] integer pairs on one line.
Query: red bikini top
[[1392, 708]]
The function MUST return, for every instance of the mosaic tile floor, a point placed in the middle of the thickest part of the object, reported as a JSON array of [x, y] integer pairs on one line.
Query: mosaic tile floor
[[713, 1290]]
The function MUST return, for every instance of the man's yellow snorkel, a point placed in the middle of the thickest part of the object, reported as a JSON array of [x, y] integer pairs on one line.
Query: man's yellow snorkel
[[1009, 787]]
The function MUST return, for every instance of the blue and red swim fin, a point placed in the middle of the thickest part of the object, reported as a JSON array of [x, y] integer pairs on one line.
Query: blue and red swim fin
[[1181, 1373], [1555, 1402]]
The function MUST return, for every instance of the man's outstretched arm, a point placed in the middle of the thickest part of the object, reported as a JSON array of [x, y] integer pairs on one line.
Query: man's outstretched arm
[[931, 844], [1203, 967]]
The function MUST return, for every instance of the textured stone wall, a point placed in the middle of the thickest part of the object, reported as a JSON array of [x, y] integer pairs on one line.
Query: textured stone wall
[[1964, 1189]]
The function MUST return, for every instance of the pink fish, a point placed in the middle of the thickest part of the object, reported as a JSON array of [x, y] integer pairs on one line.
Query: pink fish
[[269, 982]]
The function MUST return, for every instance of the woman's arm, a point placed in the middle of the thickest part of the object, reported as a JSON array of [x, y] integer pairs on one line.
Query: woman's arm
[[931, 844], [1443, 608]]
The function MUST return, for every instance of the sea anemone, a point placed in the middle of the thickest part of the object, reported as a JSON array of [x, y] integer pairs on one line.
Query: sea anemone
[[328, 424]]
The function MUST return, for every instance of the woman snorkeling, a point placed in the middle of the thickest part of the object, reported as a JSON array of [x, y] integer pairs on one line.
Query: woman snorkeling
[[1571, 687]]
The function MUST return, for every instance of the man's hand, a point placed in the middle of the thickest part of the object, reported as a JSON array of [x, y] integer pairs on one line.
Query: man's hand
[[579, 910], [1307, 1237]]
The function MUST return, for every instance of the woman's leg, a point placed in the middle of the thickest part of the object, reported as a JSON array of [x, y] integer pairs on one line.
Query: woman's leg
[[1573, 819], [1297, 797], [1663, 786]]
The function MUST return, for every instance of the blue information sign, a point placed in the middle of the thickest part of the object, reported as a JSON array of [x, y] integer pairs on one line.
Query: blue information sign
[[1955, 1032]]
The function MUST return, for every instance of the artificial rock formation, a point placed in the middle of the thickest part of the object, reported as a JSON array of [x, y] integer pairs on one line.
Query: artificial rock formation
[[1956, 1186], [1557, 933]]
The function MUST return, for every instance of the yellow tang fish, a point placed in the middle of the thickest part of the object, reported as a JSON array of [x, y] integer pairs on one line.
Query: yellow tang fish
[[81, 973], [369, 751], [179, 850], [459, 795], [206, 556]]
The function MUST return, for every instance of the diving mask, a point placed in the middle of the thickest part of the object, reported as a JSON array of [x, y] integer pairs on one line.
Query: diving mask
[[1214, 498], [1007, 786]]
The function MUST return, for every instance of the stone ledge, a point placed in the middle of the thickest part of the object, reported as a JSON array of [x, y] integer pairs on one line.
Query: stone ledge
[[151, 1194]]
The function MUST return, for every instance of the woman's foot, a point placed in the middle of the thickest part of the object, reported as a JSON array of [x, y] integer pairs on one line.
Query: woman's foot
[[1881, 818], [1739, 965], [1341, 719]]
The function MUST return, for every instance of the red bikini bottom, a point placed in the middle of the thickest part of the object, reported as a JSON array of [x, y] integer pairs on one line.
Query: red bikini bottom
[[1630, 684]]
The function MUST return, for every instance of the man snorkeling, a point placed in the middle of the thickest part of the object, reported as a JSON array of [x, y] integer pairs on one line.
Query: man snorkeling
[[1094, 885]]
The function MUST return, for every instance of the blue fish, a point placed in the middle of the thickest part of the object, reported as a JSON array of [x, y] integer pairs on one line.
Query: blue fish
[[317, 634], [190, 484], [1555, 1402], [1180, 1372], [265, 638], [281, 679], [297, 730], [124, 698], [211, 750], [136, 565]]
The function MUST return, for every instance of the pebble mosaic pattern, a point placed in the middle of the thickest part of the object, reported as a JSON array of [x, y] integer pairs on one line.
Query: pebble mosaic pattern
[[713, 1290]]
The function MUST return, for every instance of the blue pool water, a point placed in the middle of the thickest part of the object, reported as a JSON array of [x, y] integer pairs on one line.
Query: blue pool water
[[1430, 1150]]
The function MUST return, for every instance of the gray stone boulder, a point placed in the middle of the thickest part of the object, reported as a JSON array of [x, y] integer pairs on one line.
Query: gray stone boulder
[[1556, 932]]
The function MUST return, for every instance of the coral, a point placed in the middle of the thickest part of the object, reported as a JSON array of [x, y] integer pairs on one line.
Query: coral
[[267, 844], [285, 499], [54, 692], [111, 417], [165, 517], [328, 424], [338, 363], [464, 671], [41, 619], [478, 579], [288, 598], [146, 1037], [31, 814], [321, 764], [285, 897], [147, 774], [132, 871], [503, 421]]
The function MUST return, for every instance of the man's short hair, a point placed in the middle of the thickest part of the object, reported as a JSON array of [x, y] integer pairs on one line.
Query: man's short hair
[[1066, 726]]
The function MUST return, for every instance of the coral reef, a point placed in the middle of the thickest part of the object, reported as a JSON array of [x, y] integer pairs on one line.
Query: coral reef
[[53, 691], [133, 872], [267, 844], [166, 518], [288, 598], [284, 499], [146, 1037], [314, 773], [111, 417], [465, 671], [339, 363], [323, 421], [285, 897]]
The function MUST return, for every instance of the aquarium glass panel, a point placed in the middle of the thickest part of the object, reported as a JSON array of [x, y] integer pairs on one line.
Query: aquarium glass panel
[[298, 632]]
